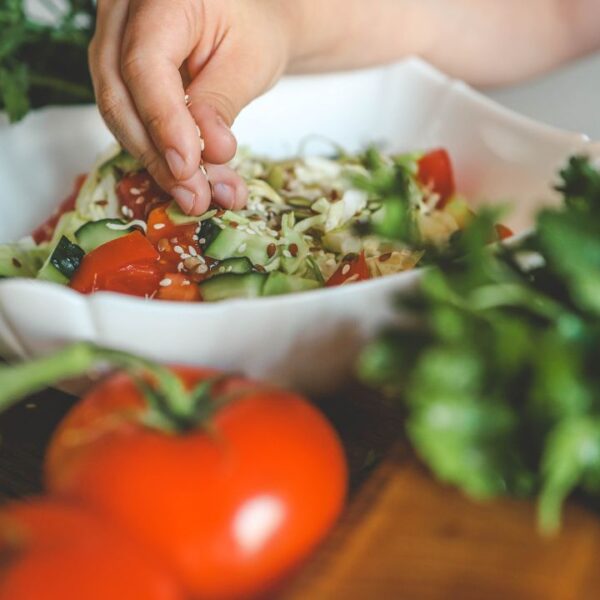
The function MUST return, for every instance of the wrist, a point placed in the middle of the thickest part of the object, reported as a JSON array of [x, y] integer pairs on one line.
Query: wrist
[[328, 35]]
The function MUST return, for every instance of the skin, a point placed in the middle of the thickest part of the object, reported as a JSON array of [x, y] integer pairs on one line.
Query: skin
[[147, 55]]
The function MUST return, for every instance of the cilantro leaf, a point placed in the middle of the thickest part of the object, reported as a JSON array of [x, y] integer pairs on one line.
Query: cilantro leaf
[[500, 382]]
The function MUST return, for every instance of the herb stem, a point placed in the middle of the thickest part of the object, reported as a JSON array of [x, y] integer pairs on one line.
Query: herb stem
[[80, 92], [18, 381], [21, 380]]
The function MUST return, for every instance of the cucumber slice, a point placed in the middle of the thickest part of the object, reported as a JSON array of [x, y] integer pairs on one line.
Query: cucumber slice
[[62, 263], [209, 230], [50, 273], [19, 261], [279, 283], [230, 242], [178, 217], [94, 234], [232, 285], [234, 265], [67, 225]]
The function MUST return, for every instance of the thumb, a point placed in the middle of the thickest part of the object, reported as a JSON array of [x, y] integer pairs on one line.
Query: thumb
[[219, 92]]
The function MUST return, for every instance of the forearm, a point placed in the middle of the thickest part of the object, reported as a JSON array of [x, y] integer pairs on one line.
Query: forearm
[[486, 42]]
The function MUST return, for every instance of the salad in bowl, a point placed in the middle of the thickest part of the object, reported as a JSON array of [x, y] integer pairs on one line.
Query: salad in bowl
[[310, 222]]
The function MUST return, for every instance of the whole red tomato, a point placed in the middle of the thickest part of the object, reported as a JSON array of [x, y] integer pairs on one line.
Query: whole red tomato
[[52, 551], [229, 507]]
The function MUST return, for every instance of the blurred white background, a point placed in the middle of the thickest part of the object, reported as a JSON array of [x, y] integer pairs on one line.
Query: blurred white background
[[568, 98]]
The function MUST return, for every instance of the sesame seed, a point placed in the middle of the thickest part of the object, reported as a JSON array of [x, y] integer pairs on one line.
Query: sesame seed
[[345, 269], [187, 99], [140, 200], [191, 263], [202, 241], [180, 267], [202, 269], [165, 282], [135, 191], [183, 256], [287, 254], [178, 249], [192, 251], [159, 226], [195, 238], [174, 240], [186, 282]]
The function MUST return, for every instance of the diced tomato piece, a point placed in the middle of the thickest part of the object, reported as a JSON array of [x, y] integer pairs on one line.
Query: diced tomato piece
[[45, 231], [140, 279], [503, 232], [139, 193], [180, 288], [435, 172], [352, 268], [111, 257], [166, 236]]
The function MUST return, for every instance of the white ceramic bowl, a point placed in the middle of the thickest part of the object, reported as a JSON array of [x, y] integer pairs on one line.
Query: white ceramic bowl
[[310, 340]]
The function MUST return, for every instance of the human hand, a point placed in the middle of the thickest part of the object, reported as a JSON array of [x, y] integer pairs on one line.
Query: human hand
[[166, 70]]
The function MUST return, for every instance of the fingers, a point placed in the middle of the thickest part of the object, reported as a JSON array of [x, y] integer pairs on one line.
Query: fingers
[[229, 189], [220, 88], [193, 192], [112, 96], [158, 37], [141, 97]]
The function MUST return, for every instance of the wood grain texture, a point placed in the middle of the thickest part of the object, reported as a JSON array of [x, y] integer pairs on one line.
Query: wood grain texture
[[405, 536]]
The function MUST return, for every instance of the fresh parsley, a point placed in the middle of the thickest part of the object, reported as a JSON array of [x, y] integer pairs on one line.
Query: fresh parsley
[[41, 63]]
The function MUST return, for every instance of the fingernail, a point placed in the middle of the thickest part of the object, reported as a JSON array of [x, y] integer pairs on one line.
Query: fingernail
[[184, 197], [224, 195], [224, 126], [175, 162]]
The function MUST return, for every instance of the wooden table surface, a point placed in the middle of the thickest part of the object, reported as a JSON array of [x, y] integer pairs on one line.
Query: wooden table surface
[[403, 535]]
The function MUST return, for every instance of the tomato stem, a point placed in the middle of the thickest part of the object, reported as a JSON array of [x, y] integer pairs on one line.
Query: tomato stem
[[168, 401]]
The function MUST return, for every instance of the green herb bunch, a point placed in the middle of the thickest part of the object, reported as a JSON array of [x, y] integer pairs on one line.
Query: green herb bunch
[[501, 379], [43, 64]]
